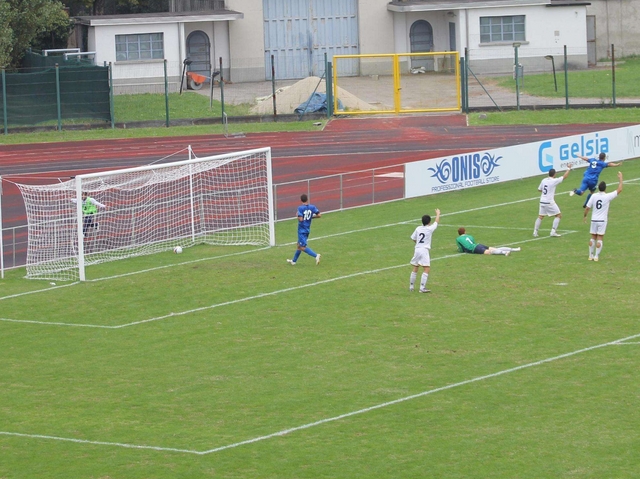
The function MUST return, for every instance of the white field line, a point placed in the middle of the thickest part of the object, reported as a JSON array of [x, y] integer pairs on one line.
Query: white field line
[[284, 432], [292, 243], [471, 210], [98, 443], [257, 296], [261, 249], [199, 260], [316, 239]]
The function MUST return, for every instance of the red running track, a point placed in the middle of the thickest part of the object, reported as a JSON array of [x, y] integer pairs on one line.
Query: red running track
[[345, 145]]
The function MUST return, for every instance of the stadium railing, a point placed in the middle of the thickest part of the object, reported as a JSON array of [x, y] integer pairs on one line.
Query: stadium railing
[[337, 192]]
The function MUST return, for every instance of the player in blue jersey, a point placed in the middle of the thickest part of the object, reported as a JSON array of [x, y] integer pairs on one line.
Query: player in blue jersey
[[591, 175], [306, 213]]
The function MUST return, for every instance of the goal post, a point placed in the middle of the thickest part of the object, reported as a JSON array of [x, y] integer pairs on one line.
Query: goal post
[[106, 216]]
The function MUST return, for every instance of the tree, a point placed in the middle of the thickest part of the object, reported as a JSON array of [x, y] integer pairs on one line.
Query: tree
[[57, 33], [85, 7], [6, 34], [112, 7], [30, 23]]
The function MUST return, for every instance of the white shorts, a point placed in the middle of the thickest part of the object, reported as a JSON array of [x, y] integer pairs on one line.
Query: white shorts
[[598, 227], [549, 209], [421, 257]]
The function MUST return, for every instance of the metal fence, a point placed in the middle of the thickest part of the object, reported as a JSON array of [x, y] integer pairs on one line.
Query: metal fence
[[53, 94], [396, 83], [558, 77], [518, 77]]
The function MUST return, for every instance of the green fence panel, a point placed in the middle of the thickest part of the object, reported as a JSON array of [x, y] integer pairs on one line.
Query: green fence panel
[[31, 97], [84, 92]]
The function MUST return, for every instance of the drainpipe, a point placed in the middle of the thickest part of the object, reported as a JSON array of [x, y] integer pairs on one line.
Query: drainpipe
[[181, 42]]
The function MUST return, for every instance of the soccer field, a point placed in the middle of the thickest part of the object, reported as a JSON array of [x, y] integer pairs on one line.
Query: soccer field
[[228, 362]]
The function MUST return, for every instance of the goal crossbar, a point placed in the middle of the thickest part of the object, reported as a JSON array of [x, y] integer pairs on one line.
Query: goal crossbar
[[97, 217]]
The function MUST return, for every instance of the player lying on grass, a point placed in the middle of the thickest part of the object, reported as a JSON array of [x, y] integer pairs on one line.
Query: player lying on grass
[[467, 244]]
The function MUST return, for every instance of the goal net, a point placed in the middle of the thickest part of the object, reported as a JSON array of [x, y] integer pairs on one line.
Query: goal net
[[107, 216]]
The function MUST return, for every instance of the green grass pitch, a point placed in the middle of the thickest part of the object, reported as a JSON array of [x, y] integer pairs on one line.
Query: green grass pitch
[[230, 363]]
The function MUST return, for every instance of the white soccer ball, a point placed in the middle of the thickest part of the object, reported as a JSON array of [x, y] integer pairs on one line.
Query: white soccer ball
[[177, 249]]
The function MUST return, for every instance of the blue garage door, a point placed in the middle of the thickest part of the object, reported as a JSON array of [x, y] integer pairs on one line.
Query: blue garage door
[[299, 32]]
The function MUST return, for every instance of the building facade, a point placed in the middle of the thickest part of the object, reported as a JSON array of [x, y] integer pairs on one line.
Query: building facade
[[243, 37]]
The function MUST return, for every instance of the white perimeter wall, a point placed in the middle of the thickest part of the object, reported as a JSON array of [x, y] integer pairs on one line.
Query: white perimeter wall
[[547, 30], [617, 23], [218, 33], [246, 39], [246, 36], [484, 167], [375, 27], [103, 41], [439, 22]]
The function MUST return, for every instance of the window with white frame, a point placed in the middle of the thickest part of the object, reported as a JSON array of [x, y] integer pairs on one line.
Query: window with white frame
[[142, 46], [502, 29]]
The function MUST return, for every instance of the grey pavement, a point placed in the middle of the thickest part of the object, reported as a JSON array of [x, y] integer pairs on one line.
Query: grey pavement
[[417, 91]]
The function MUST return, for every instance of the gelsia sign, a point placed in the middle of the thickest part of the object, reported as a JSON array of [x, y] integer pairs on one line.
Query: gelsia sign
[[467, 170]]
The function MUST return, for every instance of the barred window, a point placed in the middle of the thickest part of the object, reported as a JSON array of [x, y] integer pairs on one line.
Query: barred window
[[143, 46], [502, 29]]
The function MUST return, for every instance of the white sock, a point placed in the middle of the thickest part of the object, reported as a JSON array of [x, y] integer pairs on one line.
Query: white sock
[[556, 222], [499, 251], [412, 279], [598, 248], [536, 227], [423, 280], [592, 248]]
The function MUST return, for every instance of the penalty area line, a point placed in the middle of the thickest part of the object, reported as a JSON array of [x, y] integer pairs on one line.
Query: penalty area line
[[416, 396], [339, 417], [97, 443], [257, 296]]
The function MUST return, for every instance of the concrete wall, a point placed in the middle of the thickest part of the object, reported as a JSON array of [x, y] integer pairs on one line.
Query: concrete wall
[[375, 27], [547, 30], [240, 43], [246, 42], [105, 38], [218, 33], [138, 76], [617, 24], [147, 76]]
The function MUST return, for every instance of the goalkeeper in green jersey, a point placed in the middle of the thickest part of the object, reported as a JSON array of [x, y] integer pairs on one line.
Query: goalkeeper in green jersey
[[89, 210], [467, 244]]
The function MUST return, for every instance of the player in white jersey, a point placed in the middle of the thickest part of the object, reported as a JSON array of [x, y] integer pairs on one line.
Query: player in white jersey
[[599, 203], [548, 206], [422, 238]]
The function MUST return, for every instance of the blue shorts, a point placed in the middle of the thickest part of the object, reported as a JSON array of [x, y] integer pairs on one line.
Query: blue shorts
[[480, 249], [587, 184], [302, 239]]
